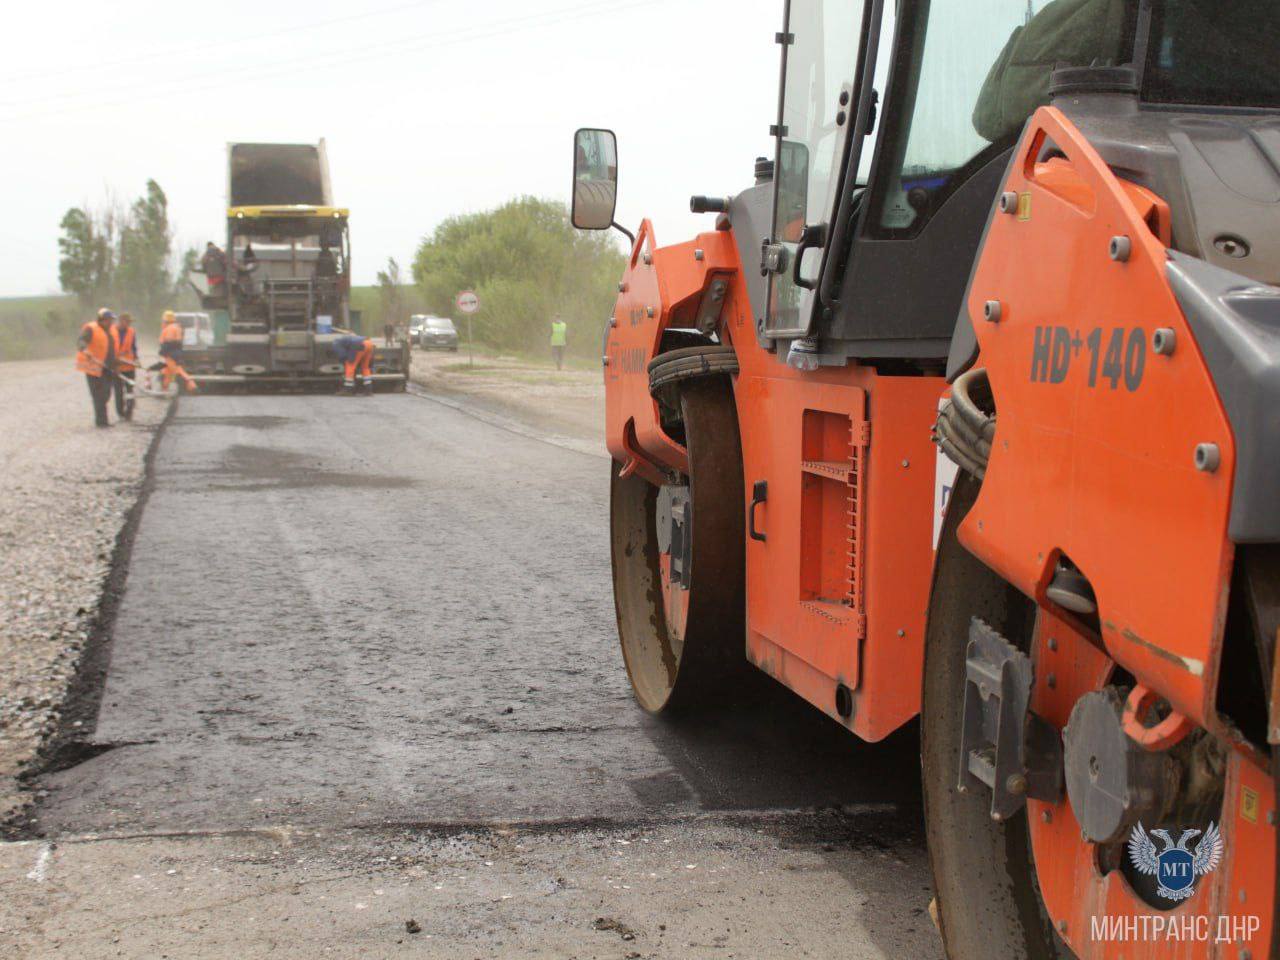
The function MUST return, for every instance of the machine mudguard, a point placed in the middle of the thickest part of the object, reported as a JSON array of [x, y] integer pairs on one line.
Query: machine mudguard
[[1116, 452], [1095, 452], [689, 285]]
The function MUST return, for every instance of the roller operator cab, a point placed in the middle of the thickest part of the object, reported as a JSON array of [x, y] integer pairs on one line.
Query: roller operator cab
[[287, 290], [965, 409]]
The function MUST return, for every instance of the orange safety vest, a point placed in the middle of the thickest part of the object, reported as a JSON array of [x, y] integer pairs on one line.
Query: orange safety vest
[[93, 358], [171, 332], [126, 346]]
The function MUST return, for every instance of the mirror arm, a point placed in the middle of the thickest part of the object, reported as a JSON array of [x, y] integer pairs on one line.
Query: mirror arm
[[629, 235]]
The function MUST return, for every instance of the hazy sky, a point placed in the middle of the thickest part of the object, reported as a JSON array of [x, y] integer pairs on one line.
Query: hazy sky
[[430, 108]]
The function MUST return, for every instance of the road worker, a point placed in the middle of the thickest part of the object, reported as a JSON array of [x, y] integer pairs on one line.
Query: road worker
[[124, 341], [326, 265], [559, 339], [171, 350], [95, 358], [246, 267], [355, 352], [214, 267], [326, 278]]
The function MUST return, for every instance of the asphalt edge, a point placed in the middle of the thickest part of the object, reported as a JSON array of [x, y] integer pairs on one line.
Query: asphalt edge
[[878, 823], [71, 741]]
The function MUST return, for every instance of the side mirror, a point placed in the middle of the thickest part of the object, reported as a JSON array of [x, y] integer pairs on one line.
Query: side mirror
[[595, 179]]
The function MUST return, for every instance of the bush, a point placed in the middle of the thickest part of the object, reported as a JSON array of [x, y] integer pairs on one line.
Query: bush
[[526, 262]]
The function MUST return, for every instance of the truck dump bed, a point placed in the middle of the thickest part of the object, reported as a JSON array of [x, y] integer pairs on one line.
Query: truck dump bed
[[278, 174]]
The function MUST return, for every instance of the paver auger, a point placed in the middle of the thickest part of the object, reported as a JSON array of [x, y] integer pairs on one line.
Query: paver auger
[[970, 408]]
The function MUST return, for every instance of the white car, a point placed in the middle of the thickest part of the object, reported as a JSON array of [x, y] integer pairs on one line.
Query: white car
[[197, 329]]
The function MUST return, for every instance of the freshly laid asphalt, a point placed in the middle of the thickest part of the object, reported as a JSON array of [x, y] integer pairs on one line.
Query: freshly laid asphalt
[[379, 633]]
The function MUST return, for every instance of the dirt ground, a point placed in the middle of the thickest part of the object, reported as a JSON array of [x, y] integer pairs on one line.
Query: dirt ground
[[714, 889], [67, 489], [560, 401]]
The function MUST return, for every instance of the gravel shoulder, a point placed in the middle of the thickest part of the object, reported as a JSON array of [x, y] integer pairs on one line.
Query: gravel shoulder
[[68, 488]]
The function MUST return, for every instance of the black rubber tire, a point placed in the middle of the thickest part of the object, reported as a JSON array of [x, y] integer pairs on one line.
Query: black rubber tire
[[670, 674], [691, 363], [984, 875]]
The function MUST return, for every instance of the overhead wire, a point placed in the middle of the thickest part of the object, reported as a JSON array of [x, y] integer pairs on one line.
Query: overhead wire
[[221, 78], [322, 58], [206, 46]]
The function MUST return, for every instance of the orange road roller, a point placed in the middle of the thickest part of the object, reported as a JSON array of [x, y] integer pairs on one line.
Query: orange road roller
[[968, 408]]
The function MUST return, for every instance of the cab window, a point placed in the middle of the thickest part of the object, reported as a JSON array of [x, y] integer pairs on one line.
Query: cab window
[[1206, 52], [817, 111], [974, 71]]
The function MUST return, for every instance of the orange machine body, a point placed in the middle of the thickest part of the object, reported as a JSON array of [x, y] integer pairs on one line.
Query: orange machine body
[[837, 589], [1094, 459]]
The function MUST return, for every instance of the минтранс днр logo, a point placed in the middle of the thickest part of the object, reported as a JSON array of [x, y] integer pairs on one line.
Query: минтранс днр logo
[[1176, 868]]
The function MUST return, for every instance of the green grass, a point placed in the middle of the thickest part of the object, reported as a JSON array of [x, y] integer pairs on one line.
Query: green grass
[[10, 305], [33, 328]]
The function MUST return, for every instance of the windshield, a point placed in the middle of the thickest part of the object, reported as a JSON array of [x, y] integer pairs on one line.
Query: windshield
[[438, 323], [973, 72], [1207, 52]]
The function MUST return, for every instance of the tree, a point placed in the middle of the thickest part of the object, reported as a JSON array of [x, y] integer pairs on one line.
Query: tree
[[143, 275], [186, 267], [119, 256], [389, 293], [526, 262], [84, 268]]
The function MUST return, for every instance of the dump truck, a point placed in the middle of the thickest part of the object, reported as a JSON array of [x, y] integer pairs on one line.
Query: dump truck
[[965, 413], [286, 291]]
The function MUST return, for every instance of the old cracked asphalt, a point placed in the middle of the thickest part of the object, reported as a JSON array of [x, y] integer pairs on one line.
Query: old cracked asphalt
[[364, 700]]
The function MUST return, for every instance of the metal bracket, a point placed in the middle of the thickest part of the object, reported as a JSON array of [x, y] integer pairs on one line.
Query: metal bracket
[[785, 39], [675, 530], [712, 305], [1012, 751], [774, 258]]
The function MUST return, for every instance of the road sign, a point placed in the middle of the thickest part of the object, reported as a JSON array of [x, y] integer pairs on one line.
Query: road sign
[[468, 302]]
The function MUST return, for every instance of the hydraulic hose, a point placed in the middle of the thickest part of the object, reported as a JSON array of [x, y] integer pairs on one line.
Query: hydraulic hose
[[958, 454], [970, 388], [964, 430]]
